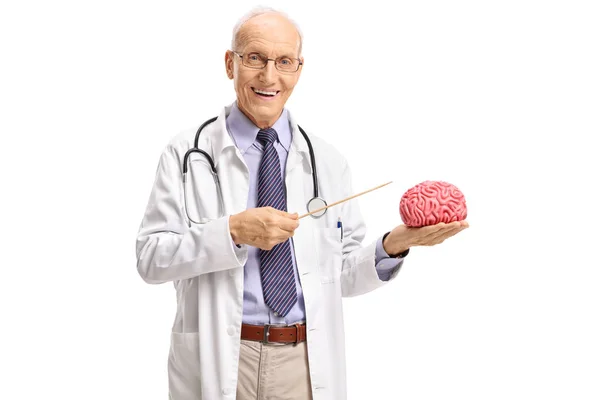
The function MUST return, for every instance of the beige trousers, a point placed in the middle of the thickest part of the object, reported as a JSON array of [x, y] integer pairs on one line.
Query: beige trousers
[[273, 372]]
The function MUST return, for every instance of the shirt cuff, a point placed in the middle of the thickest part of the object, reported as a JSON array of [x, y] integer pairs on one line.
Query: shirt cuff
[[386, 265]]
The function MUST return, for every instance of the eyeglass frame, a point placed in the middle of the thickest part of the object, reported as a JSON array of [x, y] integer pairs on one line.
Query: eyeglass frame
[[241, 56]]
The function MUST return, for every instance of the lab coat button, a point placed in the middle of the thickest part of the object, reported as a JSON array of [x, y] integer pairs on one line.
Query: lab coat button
[[276, 314], [230, 331], [227, 391], [232, 272]]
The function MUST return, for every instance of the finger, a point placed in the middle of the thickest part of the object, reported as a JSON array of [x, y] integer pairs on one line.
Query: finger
[[283, 236], [279, 237], [427, 230], [265, 246], [452, 232], [445, 235], [275, 237], [439, 229], [288, 225]]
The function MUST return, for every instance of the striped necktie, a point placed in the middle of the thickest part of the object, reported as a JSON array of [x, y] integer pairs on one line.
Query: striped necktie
[[276, 269]]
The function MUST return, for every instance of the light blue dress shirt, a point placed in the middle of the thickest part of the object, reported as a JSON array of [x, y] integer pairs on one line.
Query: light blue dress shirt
[[243, 133]]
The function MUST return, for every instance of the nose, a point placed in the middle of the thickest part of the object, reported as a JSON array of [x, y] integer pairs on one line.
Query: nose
[[268, 73]]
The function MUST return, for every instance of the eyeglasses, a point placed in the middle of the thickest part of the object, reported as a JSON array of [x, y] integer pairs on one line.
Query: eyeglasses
[[259, 61]]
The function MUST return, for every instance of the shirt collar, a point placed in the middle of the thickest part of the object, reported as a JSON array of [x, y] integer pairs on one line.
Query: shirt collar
[[244, 132]]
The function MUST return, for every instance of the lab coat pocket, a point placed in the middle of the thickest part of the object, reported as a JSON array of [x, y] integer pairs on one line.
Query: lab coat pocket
[[202, 193], [184, 366], [329, 254]]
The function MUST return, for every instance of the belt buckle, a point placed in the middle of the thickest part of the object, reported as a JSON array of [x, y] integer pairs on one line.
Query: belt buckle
[[266, 332]]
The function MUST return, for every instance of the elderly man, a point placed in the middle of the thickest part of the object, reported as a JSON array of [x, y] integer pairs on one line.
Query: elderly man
[[259, 291]]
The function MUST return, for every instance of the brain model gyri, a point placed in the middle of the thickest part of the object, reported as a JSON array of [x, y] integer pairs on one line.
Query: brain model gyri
[[432, 202]]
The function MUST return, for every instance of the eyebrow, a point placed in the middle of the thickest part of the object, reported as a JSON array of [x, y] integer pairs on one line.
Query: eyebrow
[[287, 55]]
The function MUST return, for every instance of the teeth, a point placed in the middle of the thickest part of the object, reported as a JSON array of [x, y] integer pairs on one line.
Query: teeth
[[265, 92]]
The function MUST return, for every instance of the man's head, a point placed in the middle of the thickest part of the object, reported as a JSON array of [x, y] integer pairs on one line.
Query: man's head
[[263, 92]]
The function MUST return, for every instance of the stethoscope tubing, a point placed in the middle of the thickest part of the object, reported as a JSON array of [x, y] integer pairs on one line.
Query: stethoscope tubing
[[213, 168]]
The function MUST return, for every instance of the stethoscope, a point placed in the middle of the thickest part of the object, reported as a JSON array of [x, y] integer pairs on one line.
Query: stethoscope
[[313, 204]]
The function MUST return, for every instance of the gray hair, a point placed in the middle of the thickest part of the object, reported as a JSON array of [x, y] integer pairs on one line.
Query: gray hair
[[260, 11]]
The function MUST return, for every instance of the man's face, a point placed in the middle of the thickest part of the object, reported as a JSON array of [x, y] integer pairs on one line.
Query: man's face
[[262, 93]]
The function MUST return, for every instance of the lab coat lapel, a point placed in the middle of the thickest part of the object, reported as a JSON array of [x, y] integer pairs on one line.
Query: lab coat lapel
[[231, 167], [298, 181]]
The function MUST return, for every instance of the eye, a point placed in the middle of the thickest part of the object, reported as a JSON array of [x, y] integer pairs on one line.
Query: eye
[[254, 57], [285, 61]]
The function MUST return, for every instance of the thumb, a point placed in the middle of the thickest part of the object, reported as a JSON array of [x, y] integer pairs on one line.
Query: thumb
[[284, 214], [289, 215], [280, 212]]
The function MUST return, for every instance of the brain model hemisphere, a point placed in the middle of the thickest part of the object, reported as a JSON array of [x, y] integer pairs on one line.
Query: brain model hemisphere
[[432, 202]]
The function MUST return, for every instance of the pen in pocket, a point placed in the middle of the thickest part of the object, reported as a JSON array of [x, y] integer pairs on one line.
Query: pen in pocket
[[341, 227]]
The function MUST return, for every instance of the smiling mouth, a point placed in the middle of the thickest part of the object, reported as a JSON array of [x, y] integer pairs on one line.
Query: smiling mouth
[[265, 93]]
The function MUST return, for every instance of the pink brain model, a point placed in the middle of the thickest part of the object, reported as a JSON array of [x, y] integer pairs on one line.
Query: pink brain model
[[432, 202]]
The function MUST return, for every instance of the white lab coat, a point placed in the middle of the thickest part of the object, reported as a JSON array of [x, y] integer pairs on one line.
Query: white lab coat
[[206, 267]]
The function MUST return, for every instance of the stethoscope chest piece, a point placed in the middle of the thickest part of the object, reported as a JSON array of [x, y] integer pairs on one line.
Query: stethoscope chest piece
[[314, 204]]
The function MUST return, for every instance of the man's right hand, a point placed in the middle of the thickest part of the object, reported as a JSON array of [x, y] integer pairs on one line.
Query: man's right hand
[[262, 227]]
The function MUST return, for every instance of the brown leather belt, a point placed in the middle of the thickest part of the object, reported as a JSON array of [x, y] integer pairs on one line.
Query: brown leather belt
[[274, 334]]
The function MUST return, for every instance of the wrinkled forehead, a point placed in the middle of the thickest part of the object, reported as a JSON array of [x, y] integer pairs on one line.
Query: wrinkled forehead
[[269, 33]]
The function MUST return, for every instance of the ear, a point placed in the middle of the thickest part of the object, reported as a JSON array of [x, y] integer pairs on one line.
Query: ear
[[229, 64], [301, 66]]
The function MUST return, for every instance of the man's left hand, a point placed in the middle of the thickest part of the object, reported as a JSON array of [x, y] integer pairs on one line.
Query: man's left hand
[[402, 237]]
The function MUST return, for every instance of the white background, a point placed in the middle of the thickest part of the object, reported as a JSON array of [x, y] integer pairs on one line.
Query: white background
[[499, 98]]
